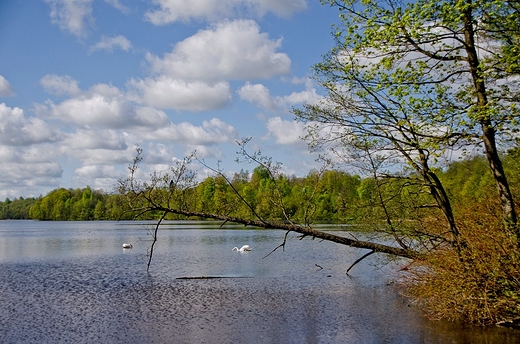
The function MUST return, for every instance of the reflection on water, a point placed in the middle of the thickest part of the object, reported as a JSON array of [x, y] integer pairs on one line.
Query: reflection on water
[[73, 282]]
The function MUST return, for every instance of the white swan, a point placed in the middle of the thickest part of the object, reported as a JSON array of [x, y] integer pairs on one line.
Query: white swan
[[242, 249], [125, 245]]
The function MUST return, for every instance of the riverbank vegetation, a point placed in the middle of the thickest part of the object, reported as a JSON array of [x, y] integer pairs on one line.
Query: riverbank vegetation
[[16, 209]]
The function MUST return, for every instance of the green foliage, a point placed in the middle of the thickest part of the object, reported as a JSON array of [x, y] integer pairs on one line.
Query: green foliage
[[16, 209], [468, 180], [411, 80], [333, 196], [80, 205]]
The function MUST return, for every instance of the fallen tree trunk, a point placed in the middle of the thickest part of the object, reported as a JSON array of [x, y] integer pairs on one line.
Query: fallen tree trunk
[[304, 230]]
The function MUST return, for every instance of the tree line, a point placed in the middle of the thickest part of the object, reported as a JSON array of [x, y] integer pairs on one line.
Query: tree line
[[76, 205], [323, 196], [16, 209]]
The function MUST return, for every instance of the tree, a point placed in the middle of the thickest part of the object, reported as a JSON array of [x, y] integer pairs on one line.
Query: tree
[[409, 83], [486, 269], [99, 211], [415, 80], [79, 204]]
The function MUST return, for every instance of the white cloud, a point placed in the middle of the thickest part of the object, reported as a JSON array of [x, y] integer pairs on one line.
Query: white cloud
[[204, 151], [109, 43], [5, 88], [97, 171], [286, 132], [22, 172], [149, 117], [229, 50], [167, 93], [73, 16], [118, 5], [17, 130], [211, 132], [102, 106], [158, 154], [95, 139], [25, 168], [9, 155], [97, 176], [42, 153], [60, 85], [94, 111], [34, 154], [219, 129], [308, 96], [168, 11], [259, 95], [100, 156], [194, 75], [105, 90]]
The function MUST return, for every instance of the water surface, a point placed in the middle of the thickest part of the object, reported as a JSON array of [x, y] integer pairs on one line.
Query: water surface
[[73, 282]]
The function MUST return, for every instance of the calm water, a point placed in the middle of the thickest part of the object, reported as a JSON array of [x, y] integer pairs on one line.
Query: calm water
[[71, 282]]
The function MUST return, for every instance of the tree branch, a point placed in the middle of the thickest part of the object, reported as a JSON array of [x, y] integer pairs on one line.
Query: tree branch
[[305, 230]]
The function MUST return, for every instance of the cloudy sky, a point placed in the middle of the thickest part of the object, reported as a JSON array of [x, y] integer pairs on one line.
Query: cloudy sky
[[83, 81]]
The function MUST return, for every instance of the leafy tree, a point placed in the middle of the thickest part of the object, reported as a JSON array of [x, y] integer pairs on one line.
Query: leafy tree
[[206, 193], [223, 200], [409, 83], [411, 80], [99, 211], [79, 204], [163, 198]]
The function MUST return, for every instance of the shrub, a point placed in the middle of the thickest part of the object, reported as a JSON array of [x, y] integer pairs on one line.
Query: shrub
[[480, 283]]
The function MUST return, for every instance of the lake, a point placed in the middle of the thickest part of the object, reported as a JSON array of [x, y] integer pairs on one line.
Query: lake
[[72, 282]]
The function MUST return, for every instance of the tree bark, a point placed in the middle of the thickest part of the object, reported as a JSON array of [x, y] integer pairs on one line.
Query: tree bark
[[488, 131]]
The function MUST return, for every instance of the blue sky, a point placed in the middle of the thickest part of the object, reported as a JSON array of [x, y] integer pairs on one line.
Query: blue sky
[[83, 81]]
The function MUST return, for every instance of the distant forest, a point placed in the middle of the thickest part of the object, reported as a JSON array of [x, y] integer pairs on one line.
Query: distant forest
[[333, 196]]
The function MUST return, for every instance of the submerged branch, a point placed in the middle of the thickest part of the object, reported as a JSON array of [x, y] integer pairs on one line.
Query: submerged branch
[[282, 245], [154, 235], [358, 260]]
